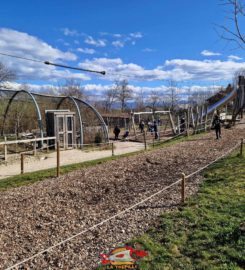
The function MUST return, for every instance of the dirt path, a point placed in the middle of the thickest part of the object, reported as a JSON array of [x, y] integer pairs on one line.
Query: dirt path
[[47, 161], [35, 217]]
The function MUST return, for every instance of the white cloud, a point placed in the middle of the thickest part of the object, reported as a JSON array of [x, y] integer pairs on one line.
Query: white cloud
[[117, 35], [122, 39], [98, 43], [69, 32], [176, 69], [136, 35], [209, 53], [24, 45], [148, 50], [86, 50], [234, 57], [111, 34], [118, 44], [207, 70], [116, 69], [97, 90]]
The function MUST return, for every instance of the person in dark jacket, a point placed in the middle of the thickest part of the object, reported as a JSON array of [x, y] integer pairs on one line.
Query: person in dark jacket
[[116, 132], [182, 125], [125, 135], [141, 126], [155, 129], [217, 126]]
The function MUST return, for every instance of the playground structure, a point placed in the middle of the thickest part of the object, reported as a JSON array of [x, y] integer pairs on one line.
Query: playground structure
[[72, 121], [164, 118], [197, 118], [31, 120]]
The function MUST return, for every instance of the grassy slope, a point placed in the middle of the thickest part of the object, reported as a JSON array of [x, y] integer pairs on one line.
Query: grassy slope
[[209, 231]]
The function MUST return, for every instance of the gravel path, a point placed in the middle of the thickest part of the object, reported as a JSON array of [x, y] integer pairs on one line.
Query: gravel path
[[46, 161], [35, 217]]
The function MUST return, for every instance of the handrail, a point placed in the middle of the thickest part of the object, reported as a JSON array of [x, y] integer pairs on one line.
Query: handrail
[[28, 140]]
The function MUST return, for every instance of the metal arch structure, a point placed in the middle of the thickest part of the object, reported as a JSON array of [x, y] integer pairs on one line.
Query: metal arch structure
[[39, 116], [98, 115], [74, 100], [78, 112]]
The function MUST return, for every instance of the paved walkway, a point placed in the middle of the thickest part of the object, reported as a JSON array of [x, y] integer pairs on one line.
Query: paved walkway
[[47, 161]]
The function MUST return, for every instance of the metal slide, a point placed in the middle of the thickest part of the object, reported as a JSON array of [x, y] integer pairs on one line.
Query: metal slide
[[221, 102]]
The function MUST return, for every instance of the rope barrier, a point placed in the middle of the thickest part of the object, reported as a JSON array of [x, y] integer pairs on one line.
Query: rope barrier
[[120, 213], [93, 227], [211, 163]]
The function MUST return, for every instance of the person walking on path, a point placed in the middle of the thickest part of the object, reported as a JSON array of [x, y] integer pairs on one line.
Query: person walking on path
[[217, 126], [116, 132]]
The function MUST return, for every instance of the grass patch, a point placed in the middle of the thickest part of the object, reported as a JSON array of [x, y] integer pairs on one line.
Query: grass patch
[[209, 231]]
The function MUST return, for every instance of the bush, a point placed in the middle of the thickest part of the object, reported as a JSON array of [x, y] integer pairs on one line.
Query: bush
[[98, 138]]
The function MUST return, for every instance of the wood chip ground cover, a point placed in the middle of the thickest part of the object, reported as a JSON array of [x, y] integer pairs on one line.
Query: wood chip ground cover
[[35, 217]]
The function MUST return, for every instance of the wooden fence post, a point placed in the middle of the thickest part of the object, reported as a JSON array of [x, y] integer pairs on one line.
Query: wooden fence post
[[241, 149], [178, 124], [47, 150], [21, 163], [5, 150], [144, 135], [206, 118], [112, 149], [183, 188], [196, 120], [187, 122], [58, 158], [35, 147]]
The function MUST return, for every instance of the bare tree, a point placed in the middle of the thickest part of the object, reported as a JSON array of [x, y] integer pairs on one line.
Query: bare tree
[[51, 90], [73, 88], [154, 99], [110, 98], [233, 32], [21, 111], [172, 97], [199, 97], [6, 74], [140, 100], [124, 93]]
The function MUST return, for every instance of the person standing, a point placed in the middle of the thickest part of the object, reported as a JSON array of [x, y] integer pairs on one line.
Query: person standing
[[155, 129], [116, 132], [182, 125], [217, 126], [141, 126]]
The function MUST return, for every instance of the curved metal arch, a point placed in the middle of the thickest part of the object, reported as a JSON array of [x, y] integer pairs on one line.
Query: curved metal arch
[[39, 116], [78, 112], [98, 115]]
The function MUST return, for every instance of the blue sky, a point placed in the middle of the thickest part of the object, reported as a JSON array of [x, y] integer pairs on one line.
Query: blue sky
[[146, 42]]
